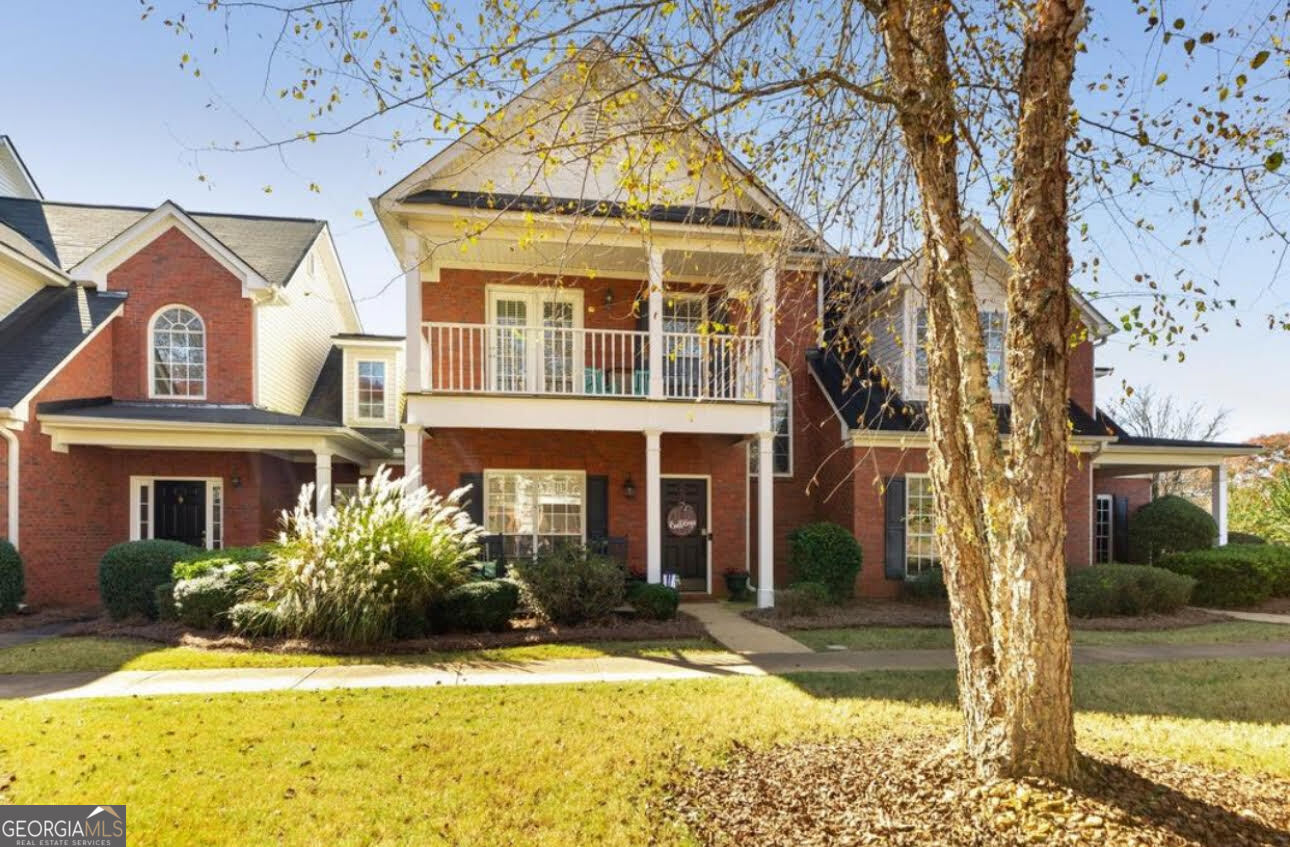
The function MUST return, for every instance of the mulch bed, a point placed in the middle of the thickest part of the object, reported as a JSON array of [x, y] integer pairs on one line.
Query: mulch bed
[[522, 632], [42, 618], [874, 612], [894, 792], [1272, 606]]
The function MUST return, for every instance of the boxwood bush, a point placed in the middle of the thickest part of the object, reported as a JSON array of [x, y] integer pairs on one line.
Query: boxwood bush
[[164, 597], [927, 585], [129, 574], [1245, 538], [801, 599], [1110, 590], [482, 606], [1235, 575], [827, 554], [570, 585], [12, 586], [1170, 524], [203, 602], [654, 602]]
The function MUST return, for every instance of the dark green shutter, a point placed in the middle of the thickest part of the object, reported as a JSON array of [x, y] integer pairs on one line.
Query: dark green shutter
[[597, 507], [893, 563], [1119, 528], [475, 497]]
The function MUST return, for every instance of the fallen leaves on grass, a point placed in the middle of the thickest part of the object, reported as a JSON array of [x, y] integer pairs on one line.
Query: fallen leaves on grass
[[905, 792]]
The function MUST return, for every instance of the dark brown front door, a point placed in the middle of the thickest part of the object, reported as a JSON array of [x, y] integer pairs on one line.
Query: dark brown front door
[[181, 511], [685, 531]]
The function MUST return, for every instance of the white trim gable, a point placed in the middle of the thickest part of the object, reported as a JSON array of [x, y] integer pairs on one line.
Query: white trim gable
[[95, 267], [17, 167]]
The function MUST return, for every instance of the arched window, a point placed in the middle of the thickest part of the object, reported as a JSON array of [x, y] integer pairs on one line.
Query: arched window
[[178, 354], [781, 421]]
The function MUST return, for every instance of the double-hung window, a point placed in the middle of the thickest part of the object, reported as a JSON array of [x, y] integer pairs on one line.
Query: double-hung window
[[1102, 528], [371, 390], [535, 511], [993, 325], [921, 553]]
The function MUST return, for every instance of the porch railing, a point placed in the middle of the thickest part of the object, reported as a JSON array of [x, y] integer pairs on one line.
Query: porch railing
[[567, 361]]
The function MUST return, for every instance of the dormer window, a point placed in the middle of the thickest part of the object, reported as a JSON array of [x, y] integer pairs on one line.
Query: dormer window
[[178, 354], [992, 328], [371, 390]]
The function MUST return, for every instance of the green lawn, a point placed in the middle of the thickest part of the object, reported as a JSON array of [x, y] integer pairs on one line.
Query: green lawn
[[546, 765], [110, 654], [899, 637]]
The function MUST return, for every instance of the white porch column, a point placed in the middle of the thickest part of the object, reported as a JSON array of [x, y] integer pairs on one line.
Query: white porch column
[[15, 490], [414, 366], [765, 520], [413, 442], [656, 323], [653, 506], [1218, 500], [322, 483], [766, 319]]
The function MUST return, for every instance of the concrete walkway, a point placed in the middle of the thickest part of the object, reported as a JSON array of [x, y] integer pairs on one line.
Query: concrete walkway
[[1258, 617], [62, 686], [740, 635]]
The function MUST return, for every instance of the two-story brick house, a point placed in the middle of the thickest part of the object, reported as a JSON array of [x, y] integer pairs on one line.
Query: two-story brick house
[[172, 375]]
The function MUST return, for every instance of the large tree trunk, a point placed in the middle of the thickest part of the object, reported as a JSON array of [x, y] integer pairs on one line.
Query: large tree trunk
[[1001, 515]]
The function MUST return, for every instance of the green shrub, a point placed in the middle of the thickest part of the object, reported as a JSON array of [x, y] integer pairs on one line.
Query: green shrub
[[1111, 590], [486, 606], [827, 554], [1171, 524], [654, 602], [129, 574], [927, 585], [801, 599], [12, 586], [164, 598], [371, 566], [570, 585], [1235, 575], [1272, 559], [208, 561], [1245, 538], [203, 601], [255, 618]]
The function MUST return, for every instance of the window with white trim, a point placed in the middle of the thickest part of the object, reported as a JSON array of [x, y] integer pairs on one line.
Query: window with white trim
[[1103, 521], [535, 511], [992, 330], [216, 517], [371, 390], [178, 354], [921, 552], [781, 421]]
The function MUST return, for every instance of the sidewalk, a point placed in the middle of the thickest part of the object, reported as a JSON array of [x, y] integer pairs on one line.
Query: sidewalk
[[1258, 617], [61, 686], [740, 635]]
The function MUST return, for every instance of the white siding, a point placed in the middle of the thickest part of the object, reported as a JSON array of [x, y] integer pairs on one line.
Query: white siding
[[294, 338], [13, 181], [393, 359], [16, 285]]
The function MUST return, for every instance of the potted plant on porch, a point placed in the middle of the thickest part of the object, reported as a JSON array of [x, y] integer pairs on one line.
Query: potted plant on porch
[[736, 583]]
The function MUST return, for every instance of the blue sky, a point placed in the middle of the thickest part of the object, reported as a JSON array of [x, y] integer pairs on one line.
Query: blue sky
[[101, 111]]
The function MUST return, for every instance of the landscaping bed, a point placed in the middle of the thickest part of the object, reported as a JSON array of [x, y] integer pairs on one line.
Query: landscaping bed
[[891, 791], [42, 618]]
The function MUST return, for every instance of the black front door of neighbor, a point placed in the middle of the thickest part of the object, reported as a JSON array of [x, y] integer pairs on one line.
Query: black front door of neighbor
[[181, 511], [685, 531]]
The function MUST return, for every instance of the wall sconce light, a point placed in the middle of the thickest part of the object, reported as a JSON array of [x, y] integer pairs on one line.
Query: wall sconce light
[[609, 296], [629, 488], [236, 480]]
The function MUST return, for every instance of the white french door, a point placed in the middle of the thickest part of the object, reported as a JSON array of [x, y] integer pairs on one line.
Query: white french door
[[535, 340], [683, 317]]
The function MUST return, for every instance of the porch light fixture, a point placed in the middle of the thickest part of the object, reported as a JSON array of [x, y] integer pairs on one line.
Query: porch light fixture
[[629, 488], [236, 480], [609, 296]]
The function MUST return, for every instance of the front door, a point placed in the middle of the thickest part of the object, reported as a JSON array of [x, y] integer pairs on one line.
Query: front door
[[685, 531], [181, 511]]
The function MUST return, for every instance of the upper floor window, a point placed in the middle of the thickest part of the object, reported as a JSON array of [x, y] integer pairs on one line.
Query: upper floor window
[[992, 328], [781, 421], [371, 390], [178, 354]]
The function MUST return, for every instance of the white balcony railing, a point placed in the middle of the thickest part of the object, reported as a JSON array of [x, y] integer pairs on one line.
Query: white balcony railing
[[562, 361]]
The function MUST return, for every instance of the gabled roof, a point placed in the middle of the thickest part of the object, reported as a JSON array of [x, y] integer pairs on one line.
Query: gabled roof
[[43, 331], [67, 233], [327, 398], [9, 151], [161, 412]]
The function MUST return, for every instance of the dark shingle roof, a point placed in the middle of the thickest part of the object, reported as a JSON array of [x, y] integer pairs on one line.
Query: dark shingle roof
[[38, 335], [497, 202], [326, 399], [1124, 437], [141, 410], [66, 233]]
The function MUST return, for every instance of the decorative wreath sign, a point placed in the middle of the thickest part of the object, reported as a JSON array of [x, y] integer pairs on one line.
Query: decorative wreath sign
[[682, 519]]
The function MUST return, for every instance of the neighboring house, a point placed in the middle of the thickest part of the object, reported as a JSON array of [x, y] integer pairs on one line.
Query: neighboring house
[[605, 377], [166, 374]]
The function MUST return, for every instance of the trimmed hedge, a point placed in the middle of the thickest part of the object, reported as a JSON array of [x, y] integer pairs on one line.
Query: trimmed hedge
[[801, 599], [164, 597], [1170, 524], [203, 602], [484, 606], [129, 574], [1245, 538], [654, 602], [12, 585], [928, 585], [1235, 575], [570, 585], [1114, 590], [206, 562], [827, 554]]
